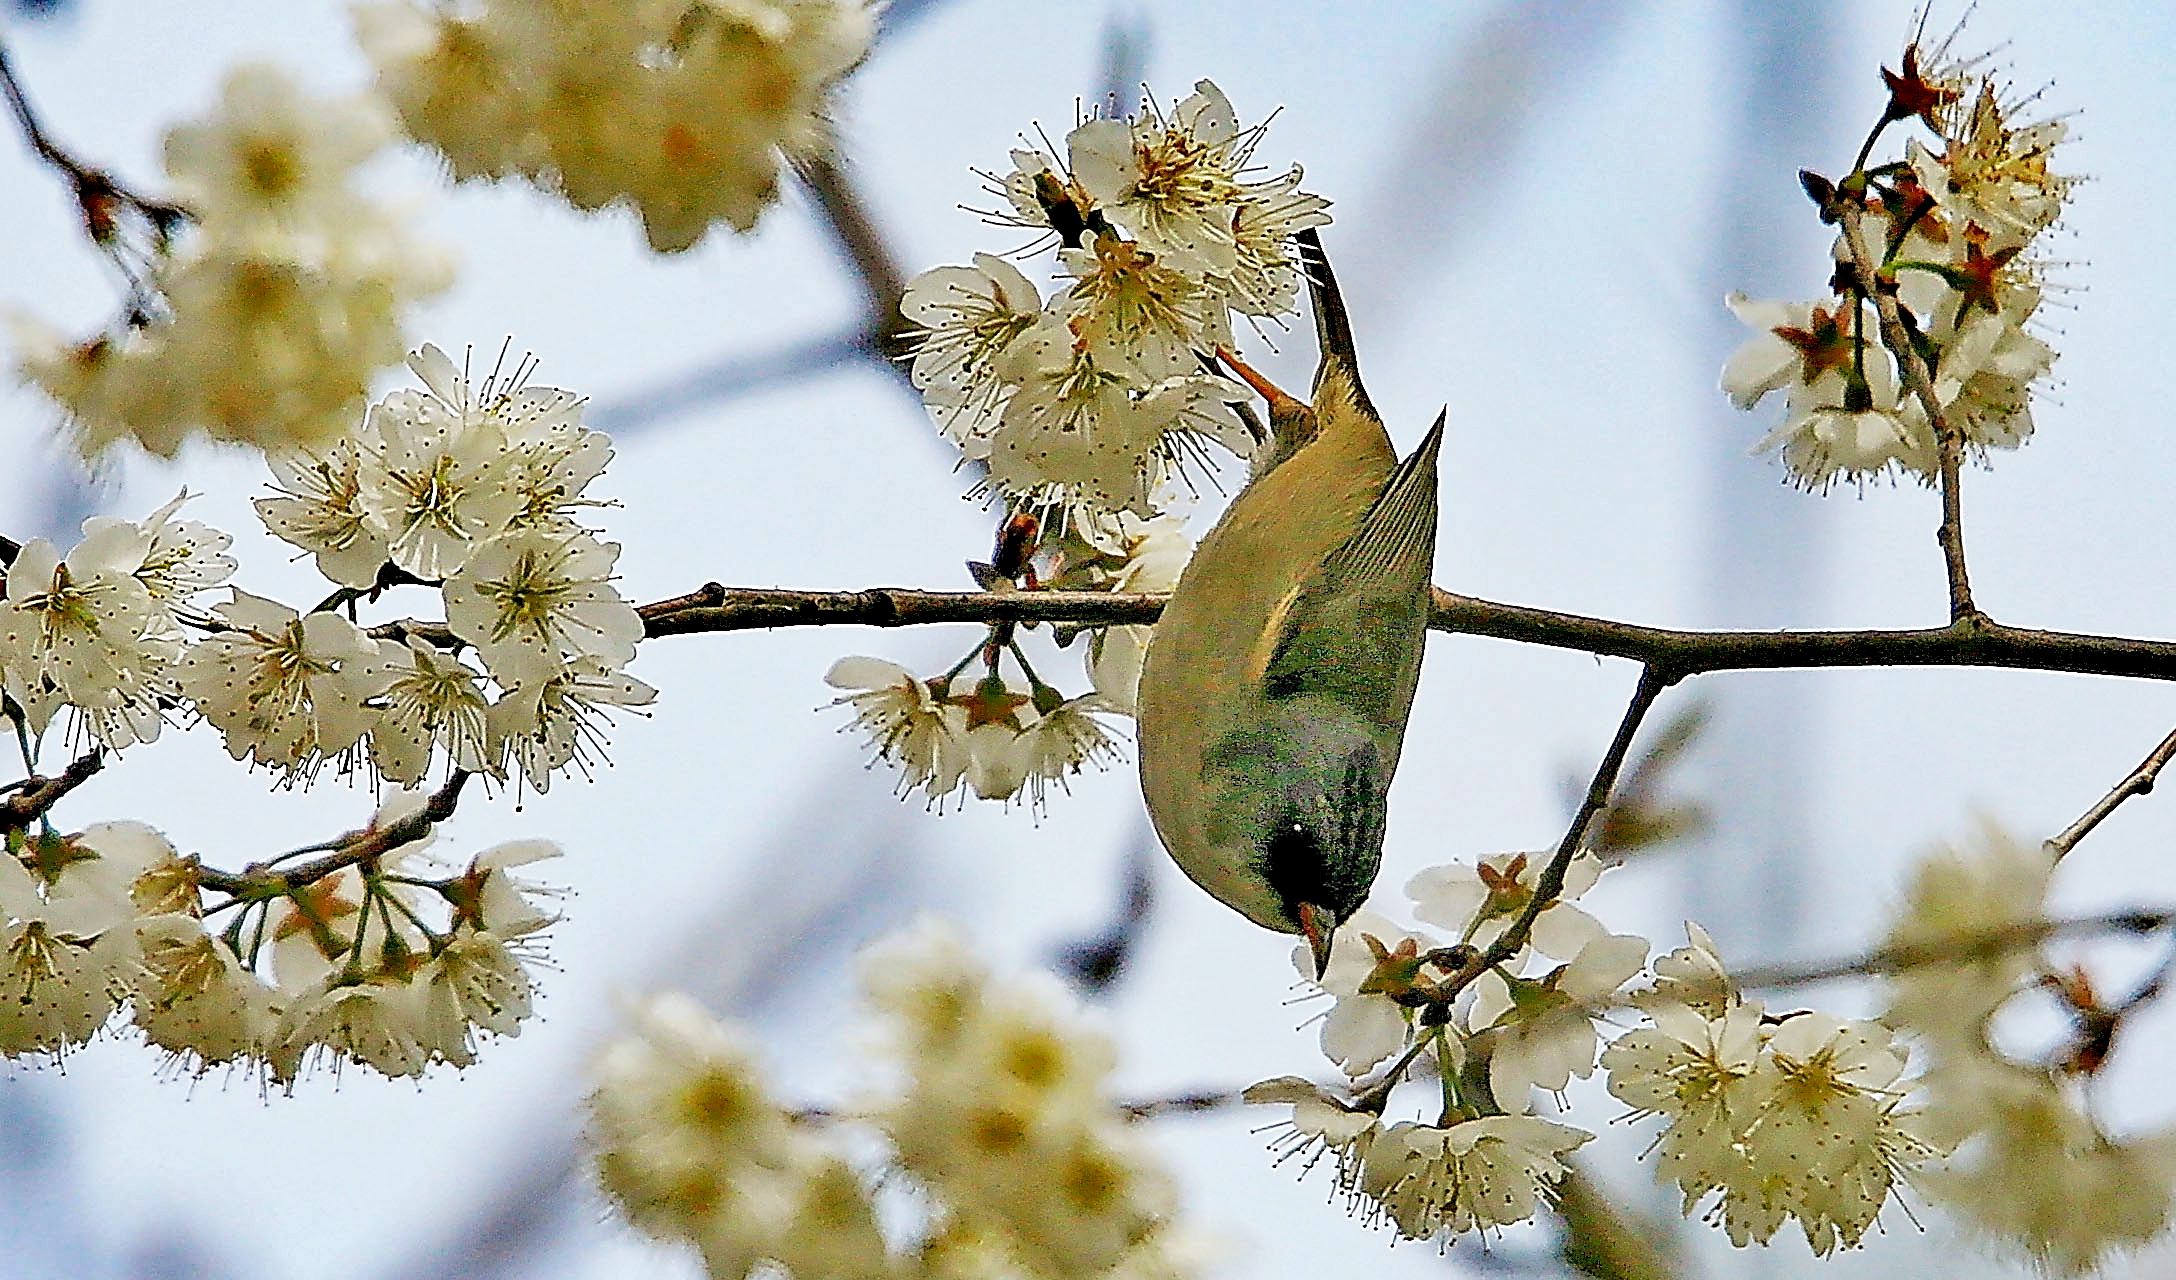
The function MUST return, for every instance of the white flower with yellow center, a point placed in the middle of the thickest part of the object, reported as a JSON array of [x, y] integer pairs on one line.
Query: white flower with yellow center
[[432, 700], [286, 690], [1479, 902], [86, 632], [319, 508], [1474, 1175], [531, 601], [546, 725], [904, 722], [434, 488], [968, 316]]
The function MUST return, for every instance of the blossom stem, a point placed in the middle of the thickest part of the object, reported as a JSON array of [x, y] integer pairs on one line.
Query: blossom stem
[[1866, 148], [1452, 1111], [2137, 783], [1949, 442], [1035, 682], [262, 878], [437, 940], [1549, 885], [1378, 1093]]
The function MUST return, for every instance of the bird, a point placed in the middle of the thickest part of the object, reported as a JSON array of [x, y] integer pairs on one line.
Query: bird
[[1279, 677]]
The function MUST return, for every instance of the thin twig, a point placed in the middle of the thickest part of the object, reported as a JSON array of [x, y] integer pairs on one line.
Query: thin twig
[[1959, 949], [1549, 885], [95, 190], [35, 797], [1949, 442], [261, 878], [882, 282], [1181, 1104], [2138, 783]]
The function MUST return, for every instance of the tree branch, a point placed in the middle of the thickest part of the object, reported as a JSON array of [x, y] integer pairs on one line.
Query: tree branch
[[36, 796], [1975, 641], [261, 878], [1981, 945], [2138, 783]]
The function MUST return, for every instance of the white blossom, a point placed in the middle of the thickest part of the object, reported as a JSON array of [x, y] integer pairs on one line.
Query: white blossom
[[2037, 1173], [533, 601], [1059, 742], [432, 699], [432, 487], [968, 316], [1003, 1114], [1321, 1126], [1473, 1175], [472, 983], [182, 559], [320, 509], [377, 1021], [904, 721], [689, 1142], [1799, 1121], [1993, 171], [1955, 900], [85, 632], [1365, 1026], [1134, 312], [575, 97], [546, 725], [195, 998], [1481, 901], [68, 945], [1541, 1030], [286, 690], [1845, 418]]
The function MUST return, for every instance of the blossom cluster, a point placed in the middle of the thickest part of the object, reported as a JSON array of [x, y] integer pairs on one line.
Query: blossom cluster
[[472, 488], [2035, 1169], [1798, 1116], [995, 1114], [1083, 404], [380, 964], [681, 109], [950, 733], [1079, 410], [264, 323], [1954, 232], [1786, 1117], [1486, 1160]]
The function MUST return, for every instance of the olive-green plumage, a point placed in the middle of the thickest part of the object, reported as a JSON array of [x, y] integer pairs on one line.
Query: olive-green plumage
[[1274, 697]]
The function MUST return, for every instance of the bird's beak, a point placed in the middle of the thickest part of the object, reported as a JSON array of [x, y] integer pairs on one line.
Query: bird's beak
[[1320, 930]]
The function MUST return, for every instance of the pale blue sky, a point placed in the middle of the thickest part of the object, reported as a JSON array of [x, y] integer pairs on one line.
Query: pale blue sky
[[1557, 299]]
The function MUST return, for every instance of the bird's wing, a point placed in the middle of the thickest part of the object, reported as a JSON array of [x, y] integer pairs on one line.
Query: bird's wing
[[1346, 632]]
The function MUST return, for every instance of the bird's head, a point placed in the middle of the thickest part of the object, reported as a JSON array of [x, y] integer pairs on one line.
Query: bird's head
[[1321, 853]]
